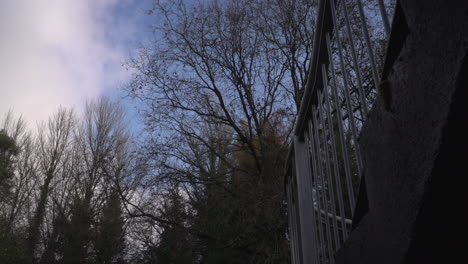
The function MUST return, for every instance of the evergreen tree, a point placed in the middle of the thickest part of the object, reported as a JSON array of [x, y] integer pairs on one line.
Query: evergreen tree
[[11, 244], [8, 150], [77, 235], [175, 244], [110, 239]]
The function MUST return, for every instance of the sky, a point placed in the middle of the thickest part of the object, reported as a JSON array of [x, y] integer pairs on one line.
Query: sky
[[63, 52]]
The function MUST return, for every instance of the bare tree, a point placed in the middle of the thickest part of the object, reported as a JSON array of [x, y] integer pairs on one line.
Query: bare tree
[[99, 158], [219, 83], [53, 141], [217, 63]]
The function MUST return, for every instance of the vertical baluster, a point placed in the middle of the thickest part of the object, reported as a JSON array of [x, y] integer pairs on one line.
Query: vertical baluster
[[317, 201], [355, 63], [348, 102], [344, 148], [325, 148], [383, 13], [316, 151], [375, 74], [335, 160], [349, 106]]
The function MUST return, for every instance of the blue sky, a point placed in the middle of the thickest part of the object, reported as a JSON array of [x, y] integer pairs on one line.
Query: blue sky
[[62, 52]]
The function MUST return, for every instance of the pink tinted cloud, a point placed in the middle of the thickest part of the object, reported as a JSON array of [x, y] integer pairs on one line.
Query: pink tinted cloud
[[55, 52]]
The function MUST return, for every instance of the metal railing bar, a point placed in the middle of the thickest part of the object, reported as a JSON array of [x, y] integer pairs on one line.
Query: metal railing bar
[[311, 155], [337, 176], [331, 191], [384, 15], [346, 90], [375, 74], [344, 149], [354, 59], [310, 165], [320, 180]]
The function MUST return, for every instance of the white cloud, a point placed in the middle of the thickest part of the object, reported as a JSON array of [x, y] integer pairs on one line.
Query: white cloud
[[58, 52]]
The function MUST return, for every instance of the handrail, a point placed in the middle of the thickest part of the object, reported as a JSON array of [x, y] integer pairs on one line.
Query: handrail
[[324, 159], [309, 97]]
